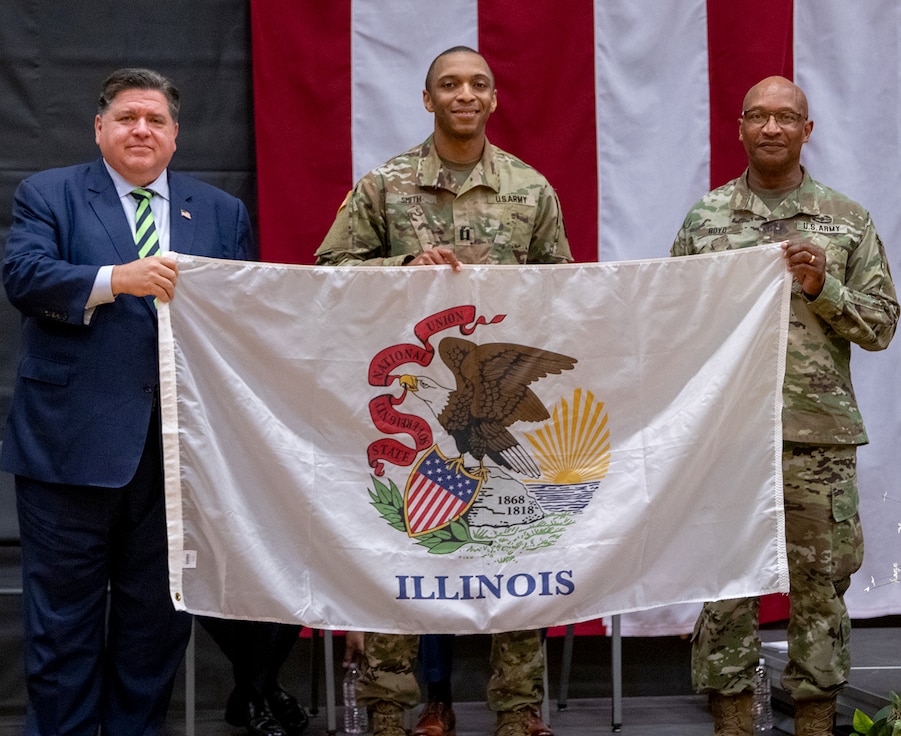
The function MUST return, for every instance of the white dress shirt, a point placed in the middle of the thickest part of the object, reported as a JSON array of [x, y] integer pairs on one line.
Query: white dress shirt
[[102, 292]]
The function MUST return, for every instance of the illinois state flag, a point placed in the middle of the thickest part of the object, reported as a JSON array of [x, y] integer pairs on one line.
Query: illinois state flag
[[413, 449]]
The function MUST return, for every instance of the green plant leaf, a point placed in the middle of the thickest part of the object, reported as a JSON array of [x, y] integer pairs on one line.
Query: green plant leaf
[[386, 509], [460, 530], [446, 547], [861, 722], [429, 540], [885, 722], [381, 489]]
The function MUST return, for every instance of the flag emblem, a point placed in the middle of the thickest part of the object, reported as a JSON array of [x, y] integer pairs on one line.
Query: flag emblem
[[439, 491]]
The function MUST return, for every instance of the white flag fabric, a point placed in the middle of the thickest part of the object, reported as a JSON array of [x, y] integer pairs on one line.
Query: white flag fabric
[[413, 449]]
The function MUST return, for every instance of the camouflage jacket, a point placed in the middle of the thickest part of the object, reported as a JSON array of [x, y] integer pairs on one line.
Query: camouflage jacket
[[505, 212], [858, 303]]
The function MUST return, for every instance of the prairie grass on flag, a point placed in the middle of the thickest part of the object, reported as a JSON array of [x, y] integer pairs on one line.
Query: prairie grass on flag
[[413, 449]]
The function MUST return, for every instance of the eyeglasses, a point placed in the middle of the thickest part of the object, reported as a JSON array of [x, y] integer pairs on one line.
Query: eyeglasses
[[783, 118]]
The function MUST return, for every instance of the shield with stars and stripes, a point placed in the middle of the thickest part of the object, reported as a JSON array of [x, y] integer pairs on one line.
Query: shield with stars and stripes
[[438, 492]]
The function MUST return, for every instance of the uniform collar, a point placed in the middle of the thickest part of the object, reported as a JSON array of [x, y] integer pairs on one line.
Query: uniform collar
[[431, 172], [802, 200]]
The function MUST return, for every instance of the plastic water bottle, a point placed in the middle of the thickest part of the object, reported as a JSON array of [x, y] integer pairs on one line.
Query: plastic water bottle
[[763, 704], [355, 718]]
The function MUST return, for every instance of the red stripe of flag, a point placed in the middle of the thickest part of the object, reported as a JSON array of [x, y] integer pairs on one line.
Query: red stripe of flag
[[747, 40], [302, 97], [430, 503], [547, 56]]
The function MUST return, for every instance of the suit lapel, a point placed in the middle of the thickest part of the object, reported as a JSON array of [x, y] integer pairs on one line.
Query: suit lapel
[[104, 200], [181, 218]]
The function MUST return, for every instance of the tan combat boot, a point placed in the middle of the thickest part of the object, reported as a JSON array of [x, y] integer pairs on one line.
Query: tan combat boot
[[525, 721], [732, 714], [387, 719], [814, 717]]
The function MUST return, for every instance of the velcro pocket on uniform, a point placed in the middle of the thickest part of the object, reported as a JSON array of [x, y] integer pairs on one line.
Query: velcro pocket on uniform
[[845, 500]]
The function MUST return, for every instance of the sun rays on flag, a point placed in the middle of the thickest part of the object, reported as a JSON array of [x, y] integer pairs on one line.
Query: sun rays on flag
[[573, 446]]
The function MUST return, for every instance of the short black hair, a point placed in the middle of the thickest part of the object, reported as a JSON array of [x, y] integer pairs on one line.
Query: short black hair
[[453, 50], [123, 79]]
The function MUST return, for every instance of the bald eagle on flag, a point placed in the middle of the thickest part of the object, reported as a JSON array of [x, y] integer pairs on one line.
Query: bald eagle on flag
[[491, 393]]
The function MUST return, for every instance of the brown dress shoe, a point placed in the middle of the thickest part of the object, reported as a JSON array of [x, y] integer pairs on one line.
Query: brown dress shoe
[[525, 721], [436, 719]]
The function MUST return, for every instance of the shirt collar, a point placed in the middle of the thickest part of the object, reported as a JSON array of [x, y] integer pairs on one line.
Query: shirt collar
[[160, 185]]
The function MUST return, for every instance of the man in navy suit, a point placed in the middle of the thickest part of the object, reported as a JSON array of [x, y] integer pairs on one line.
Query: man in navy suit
[[102, 640]]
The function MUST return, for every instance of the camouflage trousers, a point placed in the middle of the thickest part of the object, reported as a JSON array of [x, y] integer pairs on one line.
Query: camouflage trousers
[[517, 670], [824, 545]]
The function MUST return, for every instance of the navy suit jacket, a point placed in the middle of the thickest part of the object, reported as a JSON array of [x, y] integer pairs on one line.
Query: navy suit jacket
[[84, 393]]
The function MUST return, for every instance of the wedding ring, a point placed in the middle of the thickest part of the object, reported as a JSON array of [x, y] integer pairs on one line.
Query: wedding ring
[[812, 258]]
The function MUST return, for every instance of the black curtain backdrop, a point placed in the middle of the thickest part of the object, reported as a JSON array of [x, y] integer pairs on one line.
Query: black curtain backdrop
[[53, 58]]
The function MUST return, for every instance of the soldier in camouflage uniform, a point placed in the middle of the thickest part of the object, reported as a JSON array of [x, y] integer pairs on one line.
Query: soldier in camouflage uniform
[[842, 294], [453, 199]]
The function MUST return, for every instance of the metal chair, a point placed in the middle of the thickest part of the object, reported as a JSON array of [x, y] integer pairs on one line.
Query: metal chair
[[326, 653], [616, 664]]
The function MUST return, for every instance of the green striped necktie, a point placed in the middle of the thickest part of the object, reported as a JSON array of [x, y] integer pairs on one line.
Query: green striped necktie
[[146, 237]]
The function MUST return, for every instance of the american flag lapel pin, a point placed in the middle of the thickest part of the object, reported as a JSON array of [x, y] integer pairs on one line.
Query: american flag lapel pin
[[186, 214]]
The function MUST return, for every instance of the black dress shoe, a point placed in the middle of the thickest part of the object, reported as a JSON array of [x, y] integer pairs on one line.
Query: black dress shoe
[[265, 725], [253, 714], [288, 711]]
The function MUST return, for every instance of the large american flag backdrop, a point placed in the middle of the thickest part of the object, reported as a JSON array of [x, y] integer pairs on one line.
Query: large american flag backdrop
[[630, 108]]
